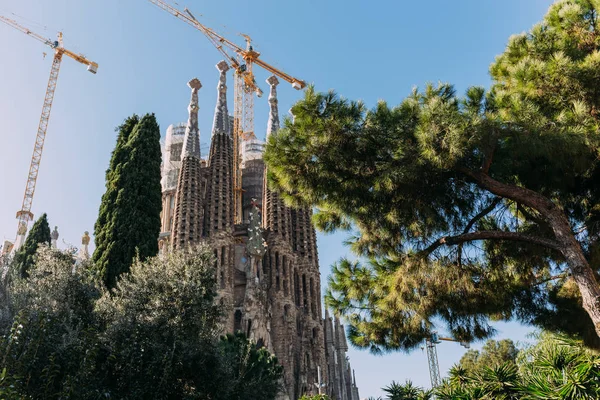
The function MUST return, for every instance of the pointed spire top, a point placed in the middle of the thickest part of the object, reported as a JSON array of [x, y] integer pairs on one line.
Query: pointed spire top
[[191, 141], [221, 121], [273, 125]]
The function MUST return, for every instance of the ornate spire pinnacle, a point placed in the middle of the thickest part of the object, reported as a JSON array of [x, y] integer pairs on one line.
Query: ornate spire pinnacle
[[273, 125], [191, 142], [219, 215], [221, 122], [54, 236]]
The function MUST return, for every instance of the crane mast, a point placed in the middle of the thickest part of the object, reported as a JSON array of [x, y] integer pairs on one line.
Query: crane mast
[[432, 358], [24, 215], [241, 60]]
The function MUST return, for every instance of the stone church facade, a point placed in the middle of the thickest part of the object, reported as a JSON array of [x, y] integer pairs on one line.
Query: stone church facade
[[267, 267]]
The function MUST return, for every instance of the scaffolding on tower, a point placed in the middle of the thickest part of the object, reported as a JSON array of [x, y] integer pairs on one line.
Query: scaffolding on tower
[[241, 60]]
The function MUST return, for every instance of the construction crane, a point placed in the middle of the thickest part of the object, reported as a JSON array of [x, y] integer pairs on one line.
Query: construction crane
[[25, 215], [241, 60], [432, 358]]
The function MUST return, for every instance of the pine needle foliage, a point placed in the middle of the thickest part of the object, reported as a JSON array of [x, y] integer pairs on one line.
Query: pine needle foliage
[[463, 209], [129, 217], [38, 234]]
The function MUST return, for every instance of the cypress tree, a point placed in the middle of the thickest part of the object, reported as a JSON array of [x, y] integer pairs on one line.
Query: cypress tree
[[129, 220], [39, 234], [119, 156]]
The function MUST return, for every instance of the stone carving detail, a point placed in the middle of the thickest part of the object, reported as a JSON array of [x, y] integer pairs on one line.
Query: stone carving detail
[[191, 142], [256, 245], [54, 237], [84, 253]]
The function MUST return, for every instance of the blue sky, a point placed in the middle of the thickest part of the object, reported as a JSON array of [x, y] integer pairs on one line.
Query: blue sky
[[366, 50]]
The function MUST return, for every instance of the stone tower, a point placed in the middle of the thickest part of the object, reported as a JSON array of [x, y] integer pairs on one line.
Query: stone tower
[[188, 210], [267, 267], [218, 209]]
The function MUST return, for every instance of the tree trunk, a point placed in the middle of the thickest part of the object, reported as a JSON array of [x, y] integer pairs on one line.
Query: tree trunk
[[579, 267], [568, 244]]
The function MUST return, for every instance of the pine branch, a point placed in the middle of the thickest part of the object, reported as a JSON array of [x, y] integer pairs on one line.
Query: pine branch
[[528, 215], [551, 278], [482, 214], [489, 235], [519, 194], [473, 221]]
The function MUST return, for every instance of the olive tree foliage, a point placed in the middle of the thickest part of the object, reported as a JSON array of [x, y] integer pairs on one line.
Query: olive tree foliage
[[160, 323], [463, 209], [155, 335], [49, 345]]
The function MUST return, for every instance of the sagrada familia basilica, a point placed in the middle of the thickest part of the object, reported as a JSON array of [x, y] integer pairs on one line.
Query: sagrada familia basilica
[[267, 266]]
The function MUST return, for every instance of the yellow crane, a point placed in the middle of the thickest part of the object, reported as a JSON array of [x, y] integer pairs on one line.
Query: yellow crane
[[241, 60], [25, 215]]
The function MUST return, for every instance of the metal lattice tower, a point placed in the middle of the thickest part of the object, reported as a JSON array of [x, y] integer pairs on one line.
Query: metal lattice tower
[[434, 367], [25, 215]]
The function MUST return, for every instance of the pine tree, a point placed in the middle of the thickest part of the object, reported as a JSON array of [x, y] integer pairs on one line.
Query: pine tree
[[467, 208], [39, 234], [129, 220]]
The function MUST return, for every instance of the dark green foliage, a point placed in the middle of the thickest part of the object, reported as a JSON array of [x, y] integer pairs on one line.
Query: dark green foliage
[[48, 342], [492, 354], [120, 155], [315, 397], [39, 234], [129, 219], [155, 336], [160, 328], [250, 373], [463, 209], [557, 367]]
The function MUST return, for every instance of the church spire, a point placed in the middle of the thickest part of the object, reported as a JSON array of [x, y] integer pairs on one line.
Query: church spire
[[221, 121], [219, 191], [191, 141], [273, 124], [188, 214], [277, 218]]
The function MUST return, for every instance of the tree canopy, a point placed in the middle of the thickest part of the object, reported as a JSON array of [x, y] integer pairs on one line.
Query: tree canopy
[[155, 335], [463, 209], [492, 354], [557, 367], [38, 234]]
